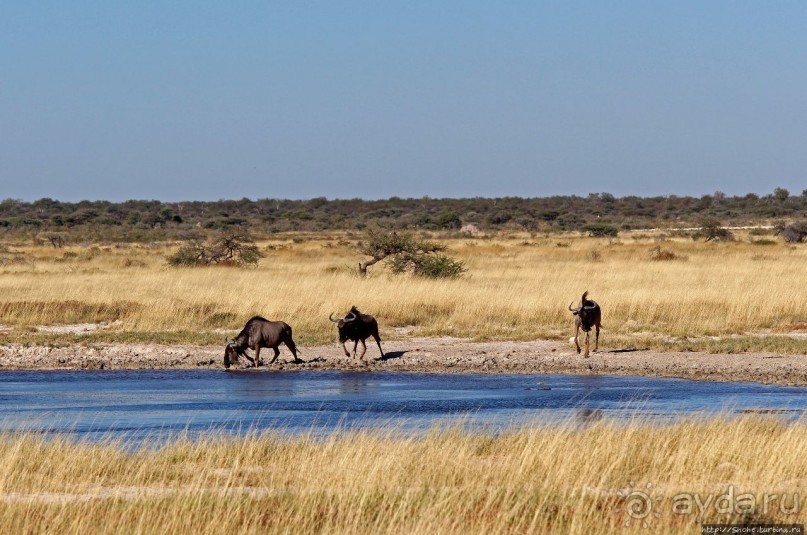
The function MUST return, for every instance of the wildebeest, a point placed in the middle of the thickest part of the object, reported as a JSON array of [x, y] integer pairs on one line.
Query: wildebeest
[[257, 333], [357, 327], [588, 315]]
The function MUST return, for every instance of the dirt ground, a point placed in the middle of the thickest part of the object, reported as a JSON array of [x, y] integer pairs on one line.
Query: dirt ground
[[438, 355]]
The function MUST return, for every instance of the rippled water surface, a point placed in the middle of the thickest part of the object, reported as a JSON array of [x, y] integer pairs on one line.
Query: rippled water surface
[[140, 404]]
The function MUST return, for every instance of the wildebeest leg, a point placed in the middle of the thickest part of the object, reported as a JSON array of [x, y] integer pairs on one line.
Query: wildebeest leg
[[355, 345], [243, 353], [277, 352], [378, 341], [293, 348], [258, 361], [587, 333], [344, 347], [576, 335], [597, 339], [363, 349]]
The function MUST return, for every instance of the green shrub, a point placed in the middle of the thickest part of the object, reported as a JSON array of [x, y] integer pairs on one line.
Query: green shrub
[[440, 266], [600, 230], [190, 254]]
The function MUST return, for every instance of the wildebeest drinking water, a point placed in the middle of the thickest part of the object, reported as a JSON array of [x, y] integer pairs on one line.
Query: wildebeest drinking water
[[257, 333], [357, 327], [588, 315]]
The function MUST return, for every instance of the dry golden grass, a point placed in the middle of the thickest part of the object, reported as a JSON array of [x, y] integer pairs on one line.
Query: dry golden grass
[[516, 288], [572, 478]]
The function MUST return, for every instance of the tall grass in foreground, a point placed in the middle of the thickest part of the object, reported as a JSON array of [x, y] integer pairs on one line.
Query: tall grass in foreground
[[514, 289], [576, 478]]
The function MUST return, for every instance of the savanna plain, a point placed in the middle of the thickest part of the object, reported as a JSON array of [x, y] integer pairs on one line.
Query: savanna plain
[[666, 293], [663, 296]]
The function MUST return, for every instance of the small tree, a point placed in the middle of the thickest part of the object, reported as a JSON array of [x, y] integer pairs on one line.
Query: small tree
[[710, 229], [379, 245], [235, 246], [56, 240], [402, 252], [781, 194], [448, 219], [231, 247]]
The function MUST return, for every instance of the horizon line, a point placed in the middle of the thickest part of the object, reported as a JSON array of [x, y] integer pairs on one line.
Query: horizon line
[[399, 198]]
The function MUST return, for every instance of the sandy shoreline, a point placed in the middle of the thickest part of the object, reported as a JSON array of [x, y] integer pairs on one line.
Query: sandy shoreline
[[441, 355]]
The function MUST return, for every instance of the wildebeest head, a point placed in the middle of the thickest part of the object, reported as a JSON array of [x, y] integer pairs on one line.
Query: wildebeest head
[[344, 324], [588, 312], [230, 355]]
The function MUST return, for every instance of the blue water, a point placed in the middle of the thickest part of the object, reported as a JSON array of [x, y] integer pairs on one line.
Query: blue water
[[146, 404]]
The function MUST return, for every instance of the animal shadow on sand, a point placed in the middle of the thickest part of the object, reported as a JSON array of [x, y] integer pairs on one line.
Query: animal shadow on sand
[[627, 350], [391, 355]]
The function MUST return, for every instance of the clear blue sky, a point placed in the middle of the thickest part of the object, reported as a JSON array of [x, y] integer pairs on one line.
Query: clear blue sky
[[176, 100]]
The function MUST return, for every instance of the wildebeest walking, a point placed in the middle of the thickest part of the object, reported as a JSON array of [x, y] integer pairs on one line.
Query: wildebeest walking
[[257, 333], [588, 315], [357, 327]]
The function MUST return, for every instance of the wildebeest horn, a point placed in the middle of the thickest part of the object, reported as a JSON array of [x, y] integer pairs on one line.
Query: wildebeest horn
[[331, 318], [589, 308], [350, 317], [571, 309]]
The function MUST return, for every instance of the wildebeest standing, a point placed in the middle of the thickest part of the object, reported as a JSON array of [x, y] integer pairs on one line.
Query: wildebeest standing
[[357, 327], [588, 315], [257, 333]]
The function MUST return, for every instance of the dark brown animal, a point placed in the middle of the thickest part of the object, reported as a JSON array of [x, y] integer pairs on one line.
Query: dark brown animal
[[357, 327], [588, 315], [257, 333]]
